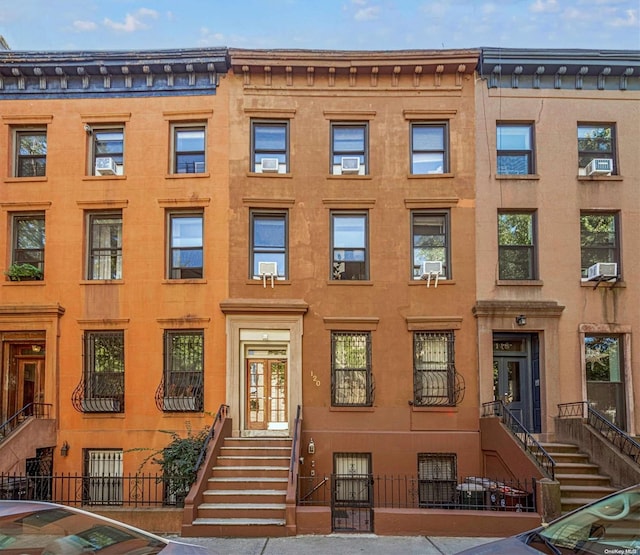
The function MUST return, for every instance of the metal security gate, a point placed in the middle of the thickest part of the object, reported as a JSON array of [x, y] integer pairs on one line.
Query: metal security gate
[[352, 493]]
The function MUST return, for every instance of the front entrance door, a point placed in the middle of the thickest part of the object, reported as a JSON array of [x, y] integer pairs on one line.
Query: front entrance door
[[24, 384], [514, 382], [266, 394]]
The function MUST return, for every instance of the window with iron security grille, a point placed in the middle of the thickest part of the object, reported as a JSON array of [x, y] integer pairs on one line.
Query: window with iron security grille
[[437, 479], [104, 470], [351, 378], [353, 478], [436, 382], [104, 371], [183, 371]]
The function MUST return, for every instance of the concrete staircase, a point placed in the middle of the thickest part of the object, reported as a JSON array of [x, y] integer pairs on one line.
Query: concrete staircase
[[245, 496], [580, 480]]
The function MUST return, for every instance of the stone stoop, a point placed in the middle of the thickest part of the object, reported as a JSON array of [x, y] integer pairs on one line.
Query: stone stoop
[[580, 479], [246, 493]]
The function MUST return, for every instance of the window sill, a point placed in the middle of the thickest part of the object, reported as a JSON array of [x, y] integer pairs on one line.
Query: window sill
[[351, 409], [198, 281], [423, 408], [30, 282], [520, 282], [361, 282], [187, 175], [594, 284], [423, 282], [518, 177], [430, 176], [104, 178], [102, 282], [258, 281], [350, 177], [270, 175], [24, 179], [600, 178]]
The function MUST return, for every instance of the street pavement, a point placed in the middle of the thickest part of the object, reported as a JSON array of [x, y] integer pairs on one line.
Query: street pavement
[[337, 544]]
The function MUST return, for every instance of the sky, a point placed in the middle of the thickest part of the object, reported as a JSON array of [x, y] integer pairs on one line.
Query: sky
[[45, 25]]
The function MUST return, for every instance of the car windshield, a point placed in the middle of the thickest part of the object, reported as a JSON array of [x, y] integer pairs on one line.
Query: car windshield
[[58, 531], [609, 526]]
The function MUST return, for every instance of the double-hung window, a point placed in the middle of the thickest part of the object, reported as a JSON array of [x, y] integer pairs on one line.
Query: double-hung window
[[351, 378], [183, 370], [103, 371], [104, 245], [596, 149], [107, 154], [269, 244], [516, 246], [437, 479], [189, 148], [28, 244], [434, 371], [31, 153], [269, 146], [430, 243], [349, 148], [429, 148], [599, 240], [515, 148], [349, 246], [186, 245]]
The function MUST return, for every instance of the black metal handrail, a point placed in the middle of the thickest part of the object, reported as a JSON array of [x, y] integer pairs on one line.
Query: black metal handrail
[[544, 461], [35, 410], [223, 410], [607, 429], [294, 443]]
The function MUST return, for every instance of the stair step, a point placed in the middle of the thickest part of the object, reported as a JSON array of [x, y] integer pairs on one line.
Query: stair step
[[241, 510], [241, 521], [245, 461], [249, 496], [582, 479]]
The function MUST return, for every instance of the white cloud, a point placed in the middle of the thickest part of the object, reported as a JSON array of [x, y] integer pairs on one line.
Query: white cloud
[[132, 22], [544, 6], [367, 14], [631, 19], [82, 26], [207, 38], [489, 8]]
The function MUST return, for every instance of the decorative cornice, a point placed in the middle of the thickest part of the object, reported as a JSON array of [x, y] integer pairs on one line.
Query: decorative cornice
[[110, 73], [251, 306], [359, 69], [560, 69]]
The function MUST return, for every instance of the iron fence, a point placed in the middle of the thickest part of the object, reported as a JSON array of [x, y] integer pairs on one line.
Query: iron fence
[[133, 490], [412, 492]]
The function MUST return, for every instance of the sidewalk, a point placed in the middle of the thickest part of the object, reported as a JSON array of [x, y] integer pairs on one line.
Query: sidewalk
[[337, 544]]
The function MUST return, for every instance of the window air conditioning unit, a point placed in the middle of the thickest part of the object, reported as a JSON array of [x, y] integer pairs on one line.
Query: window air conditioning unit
[[430, 268], [270, 164], [106, 166], [602, 271], [350, 164], [600, 166], [268, 268], [198, 167]]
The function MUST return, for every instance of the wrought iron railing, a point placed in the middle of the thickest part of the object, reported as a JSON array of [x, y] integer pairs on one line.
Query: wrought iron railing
[[544, 461], [294, 443], [99, 392], [223, 410], [412, 492], [32, 410], [181, 392], [622, 441], [133, 490]]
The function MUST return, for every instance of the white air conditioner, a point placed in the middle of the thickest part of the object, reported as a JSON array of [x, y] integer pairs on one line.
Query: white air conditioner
[[268, 268], [350, 164], [198, 167], [106, 166], [430, 268], [600, 166], [602, 271], [270, 164]]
